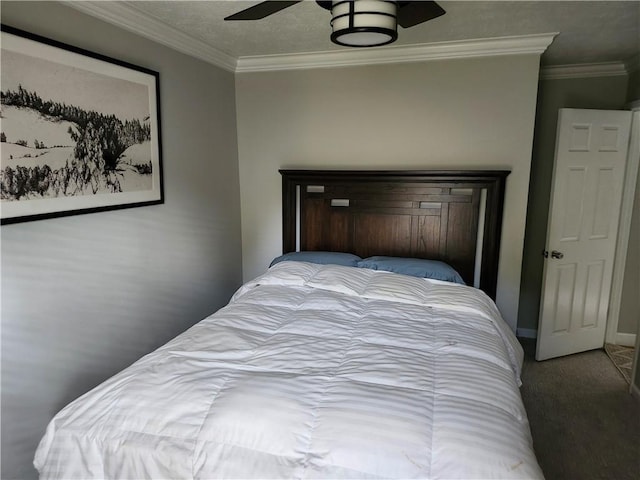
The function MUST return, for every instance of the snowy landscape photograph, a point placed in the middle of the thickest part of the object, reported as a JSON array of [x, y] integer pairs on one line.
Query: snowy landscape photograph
[[79, 133]]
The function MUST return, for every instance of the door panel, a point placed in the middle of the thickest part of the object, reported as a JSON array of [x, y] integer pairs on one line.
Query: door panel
[[603, 209], [591, 154], [564, 288], [572, 205]]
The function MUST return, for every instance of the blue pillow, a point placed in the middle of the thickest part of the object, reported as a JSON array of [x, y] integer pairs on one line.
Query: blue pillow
[[323, 258], [415, 267]]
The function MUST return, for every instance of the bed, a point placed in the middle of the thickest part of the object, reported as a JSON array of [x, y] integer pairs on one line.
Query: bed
[[322, 368]]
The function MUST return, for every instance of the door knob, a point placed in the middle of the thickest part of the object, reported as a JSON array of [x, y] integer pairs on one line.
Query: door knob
[[556, 254]]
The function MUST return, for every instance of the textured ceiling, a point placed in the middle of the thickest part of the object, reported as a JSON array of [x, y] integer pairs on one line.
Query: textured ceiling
[[589, 31]]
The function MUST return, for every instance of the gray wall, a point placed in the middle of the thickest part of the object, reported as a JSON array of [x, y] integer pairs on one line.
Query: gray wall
[[629, 318], [471, 113], [633, 94], [629, 321], [605, 93], [85, 296]]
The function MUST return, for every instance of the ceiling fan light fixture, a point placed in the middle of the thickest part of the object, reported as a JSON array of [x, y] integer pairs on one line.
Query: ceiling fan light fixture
[[364, 23]]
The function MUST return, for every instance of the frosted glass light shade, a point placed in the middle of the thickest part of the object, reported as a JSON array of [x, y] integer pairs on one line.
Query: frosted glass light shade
[[363, 23]]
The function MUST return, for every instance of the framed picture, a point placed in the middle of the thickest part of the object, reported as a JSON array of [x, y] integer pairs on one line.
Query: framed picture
[[80, 132]]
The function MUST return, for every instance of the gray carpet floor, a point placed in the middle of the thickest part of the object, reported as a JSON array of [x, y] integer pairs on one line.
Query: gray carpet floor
[[585, 424]]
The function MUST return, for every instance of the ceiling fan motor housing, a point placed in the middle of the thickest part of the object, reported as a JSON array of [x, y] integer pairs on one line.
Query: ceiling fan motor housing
[[363, 23]]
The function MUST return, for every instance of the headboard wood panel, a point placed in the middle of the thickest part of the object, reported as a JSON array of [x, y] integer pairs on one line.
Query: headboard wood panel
[[421, 214]]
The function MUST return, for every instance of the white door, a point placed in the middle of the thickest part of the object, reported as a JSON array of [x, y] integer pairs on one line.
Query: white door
[[591, 155]]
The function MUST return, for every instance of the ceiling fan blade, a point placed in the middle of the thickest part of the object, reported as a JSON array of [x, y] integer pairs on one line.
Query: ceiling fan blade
[[413, 13], [261, 10]]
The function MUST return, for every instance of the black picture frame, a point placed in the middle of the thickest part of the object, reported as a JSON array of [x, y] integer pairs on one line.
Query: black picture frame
[[80, 131]]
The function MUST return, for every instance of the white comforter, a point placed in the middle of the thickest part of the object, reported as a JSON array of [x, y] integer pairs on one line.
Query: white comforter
[[312, 371]]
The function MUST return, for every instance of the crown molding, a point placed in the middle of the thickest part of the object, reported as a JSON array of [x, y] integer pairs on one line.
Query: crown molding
[[131, 19], [584, 70], [516, 45]]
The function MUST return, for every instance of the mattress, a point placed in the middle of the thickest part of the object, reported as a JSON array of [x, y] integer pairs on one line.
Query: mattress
[[312, 371]]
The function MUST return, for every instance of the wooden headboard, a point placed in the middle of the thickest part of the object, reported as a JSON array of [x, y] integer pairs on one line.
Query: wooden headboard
[[420, 214]]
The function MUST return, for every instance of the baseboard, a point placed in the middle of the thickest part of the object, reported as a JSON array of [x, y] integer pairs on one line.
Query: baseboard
[[527, 333], [626, 339]]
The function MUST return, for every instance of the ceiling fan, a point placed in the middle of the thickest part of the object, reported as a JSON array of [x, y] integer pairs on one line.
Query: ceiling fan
[[358, 23]]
